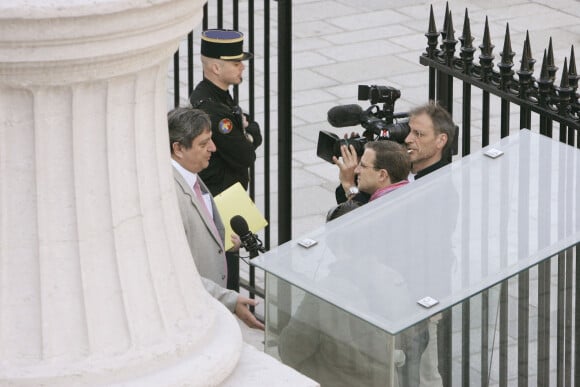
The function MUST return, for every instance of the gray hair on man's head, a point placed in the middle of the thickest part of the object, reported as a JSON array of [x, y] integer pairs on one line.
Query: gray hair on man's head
[[442, 120], [185, 124]]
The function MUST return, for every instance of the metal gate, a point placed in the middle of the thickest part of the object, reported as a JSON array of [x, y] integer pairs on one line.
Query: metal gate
[[541, 103]]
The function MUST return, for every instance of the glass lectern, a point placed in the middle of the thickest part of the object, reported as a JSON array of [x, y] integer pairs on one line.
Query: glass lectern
[[369, 299]]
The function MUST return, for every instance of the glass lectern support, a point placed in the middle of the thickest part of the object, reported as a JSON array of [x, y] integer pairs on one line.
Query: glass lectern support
[[374, 297]]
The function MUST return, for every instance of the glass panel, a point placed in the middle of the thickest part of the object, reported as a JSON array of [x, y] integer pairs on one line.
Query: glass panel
[[329, 344], [448, 236], [337, 348], [483, 338]]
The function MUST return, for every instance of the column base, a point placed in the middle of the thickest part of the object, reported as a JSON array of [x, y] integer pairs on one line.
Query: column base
[[256, 368]]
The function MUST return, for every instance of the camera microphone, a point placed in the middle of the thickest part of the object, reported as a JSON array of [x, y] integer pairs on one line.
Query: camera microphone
[[345, 115], [250, 241]]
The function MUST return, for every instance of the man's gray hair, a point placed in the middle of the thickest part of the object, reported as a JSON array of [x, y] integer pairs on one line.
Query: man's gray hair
[[185, 124], [442, 121]]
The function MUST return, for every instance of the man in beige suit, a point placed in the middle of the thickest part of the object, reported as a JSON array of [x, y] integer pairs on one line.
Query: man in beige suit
[[191, 148]]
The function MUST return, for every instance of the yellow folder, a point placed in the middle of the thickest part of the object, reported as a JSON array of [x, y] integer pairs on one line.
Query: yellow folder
[[236, 201]]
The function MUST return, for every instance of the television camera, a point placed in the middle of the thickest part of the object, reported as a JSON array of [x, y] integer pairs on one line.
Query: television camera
[[379, 123]]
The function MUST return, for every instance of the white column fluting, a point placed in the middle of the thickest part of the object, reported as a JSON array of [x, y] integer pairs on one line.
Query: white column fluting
[[97, 284]]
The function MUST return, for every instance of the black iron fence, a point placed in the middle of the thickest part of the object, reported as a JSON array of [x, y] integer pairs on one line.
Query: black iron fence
[[553, 108], [550, 102]]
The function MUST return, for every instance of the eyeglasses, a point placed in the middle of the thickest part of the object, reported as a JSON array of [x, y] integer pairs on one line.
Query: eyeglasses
[[418, 133], [361, 165]]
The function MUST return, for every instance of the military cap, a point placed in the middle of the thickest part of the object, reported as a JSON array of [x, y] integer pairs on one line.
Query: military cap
[[224, 45]]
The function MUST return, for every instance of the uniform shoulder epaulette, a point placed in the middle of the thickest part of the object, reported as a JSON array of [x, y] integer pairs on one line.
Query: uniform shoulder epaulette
[[200, 102]]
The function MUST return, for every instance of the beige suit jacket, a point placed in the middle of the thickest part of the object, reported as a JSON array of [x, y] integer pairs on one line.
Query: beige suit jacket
[[206, 247]]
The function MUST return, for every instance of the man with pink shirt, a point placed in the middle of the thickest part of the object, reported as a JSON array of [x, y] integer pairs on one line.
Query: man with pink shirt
[[428, 145], [383, 167]]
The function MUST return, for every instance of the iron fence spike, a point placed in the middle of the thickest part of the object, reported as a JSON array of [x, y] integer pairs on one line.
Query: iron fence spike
[[550, 53], [446, 16], [525, 61], [432, 36], [432, 27], [486, 47], [551, 65], [524, 64], [572, 67], [466, 37], [528, 47], [544, 75], [450, 30], [507, 54], [565, 82]]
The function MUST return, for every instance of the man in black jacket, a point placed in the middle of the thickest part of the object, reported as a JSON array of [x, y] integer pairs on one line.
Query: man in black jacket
[[236, 136], [234, 133], [428, 145], [429, 140]]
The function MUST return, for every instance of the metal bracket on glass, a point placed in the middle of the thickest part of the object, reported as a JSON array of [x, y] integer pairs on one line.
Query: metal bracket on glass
[[307, 242], [493, 153], [427, 302]]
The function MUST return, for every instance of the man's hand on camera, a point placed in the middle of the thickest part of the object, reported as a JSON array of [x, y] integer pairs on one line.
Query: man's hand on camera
[[346, 165]]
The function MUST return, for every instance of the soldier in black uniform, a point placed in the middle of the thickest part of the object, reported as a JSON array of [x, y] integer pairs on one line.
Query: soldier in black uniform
[[235, 135]]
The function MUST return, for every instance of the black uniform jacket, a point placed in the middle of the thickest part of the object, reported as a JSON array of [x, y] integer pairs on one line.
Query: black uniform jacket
[[234, 154]]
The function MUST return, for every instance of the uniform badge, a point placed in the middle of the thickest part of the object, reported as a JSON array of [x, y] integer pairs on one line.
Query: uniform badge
[[225, 125]]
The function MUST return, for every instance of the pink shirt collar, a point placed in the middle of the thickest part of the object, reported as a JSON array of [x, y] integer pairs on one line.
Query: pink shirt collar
[[383, 191]]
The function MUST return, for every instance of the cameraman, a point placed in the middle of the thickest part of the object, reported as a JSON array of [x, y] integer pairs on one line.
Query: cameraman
[[383, 167], [428, 145]]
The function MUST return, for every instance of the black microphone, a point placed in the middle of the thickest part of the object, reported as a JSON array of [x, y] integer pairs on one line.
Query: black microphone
[[345, 115], [250, 241]]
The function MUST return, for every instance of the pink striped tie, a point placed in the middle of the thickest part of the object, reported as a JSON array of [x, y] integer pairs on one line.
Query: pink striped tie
[[198, 193]]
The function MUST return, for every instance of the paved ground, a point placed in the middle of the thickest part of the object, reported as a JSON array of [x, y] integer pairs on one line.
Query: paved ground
[[339, 44]]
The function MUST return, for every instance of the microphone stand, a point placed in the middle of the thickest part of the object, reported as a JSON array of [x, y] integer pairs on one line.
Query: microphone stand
[[253, 245]]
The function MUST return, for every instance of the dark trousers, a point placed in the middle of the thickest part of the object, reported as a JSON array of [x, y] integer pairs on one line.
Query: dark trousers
[[233, 260]]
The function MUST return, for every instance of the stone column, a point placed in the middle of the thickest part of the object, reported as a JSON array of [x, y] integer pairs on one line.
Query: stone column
[[97, 284]]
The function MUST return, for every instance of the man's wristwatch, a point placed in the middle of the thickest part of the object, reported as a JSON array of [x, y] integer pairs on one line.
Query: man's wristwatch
[[352, 191]]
